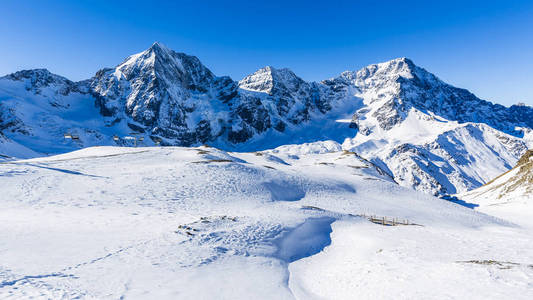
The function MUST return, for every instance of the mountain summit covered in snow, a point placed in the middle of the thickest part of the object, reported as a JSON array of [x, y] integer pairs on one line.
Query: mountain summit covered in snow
[[425, 133]]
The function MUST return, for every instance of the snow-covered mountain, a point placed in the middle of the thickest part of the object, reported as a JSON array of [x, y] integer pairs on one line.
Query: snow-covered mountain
[[393, 88], [428, 134], [286, 200], [165, 93], [37, 108], [425, 133]]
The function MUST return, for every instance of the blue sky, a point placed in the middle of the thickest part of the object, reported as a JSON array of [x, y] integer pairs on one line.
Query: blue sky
[[484, 46]]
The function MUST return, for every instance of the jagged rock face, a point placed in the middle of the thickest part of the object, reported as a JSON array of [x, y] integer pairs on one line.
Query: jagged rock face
[[9, 121], [275, 99], [164, 92], [36, 81], [395, 87], [287, 97], [456, 161], [249, 118], [526, 158]]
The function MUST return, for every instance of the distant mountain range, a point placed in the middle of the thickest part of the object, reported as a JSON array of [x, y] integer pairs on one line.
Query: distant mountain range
[[425, 133]]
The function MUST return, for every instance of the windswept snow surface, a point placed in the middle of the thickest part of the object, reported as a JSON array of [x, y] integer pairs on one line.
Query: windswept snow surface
[[201, 223]]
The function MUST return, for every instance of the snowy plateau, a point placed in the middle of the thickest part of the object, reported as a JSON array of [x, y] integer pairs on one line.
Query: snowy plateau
[[380, 183]]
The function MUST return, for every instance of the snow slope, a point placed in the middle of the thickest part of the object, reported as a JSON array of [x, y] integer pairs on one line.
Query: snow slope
[[430, 135], [202, 223], [509, 195], [440, 157], [37, 108]]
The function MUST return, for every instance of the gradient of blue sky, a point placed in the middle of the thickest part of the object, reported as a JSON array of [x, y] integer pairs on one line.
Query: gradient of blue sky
[[484, 46]]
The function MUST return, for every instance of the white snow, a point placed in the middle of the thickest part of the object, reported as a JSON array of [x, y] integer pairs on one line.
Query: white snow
[[201, 223], [508, 196], [461, 156]]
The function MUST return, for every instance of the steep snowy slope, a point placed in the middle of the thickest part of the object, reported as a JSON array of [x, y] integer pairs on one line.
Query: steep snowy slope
[[10, 150], [427, 134], [37, 108], [510, 194], [165, 93], [440, 157], [201, 223]]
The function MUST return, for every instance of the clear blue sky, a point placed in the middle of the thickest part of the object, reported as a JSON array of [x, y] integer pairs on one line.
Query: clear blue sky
[[484, 46]]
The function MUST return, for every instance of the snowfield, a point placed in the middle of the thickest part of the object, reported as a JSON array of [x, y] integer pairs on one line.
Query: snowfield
[[202, 223]]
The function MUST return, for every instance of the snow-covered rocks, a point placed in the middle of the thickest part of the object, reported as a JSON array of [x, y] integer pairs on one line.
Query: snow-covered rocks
[[165, 93], [440, 158]]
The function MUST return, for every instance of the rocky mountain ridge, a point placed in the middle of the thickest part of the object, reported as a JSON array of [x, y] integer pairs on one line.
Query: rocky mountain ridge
[[396, 114]]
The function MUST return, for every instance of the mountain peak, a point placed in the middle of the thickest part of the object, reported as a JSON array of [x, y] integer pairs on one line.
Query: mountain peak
[[163, 62], [38, 77], [148, 56], [42, 72], [154, 83], [158, 44], [399, 66], [159, 49], [402, 60], [268, 78]]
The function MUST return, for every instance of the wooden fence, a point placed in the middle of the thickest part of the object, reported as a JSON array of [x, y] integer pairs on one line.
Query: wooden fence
[[381, 220], [386, 221]]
